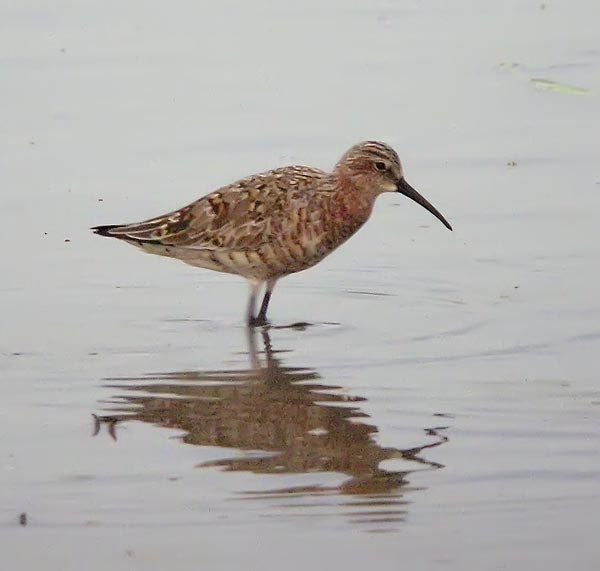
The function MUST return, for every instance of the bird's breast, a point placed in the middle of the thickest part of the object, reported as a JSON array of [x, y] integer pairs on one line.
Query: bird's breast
[[344, 216]]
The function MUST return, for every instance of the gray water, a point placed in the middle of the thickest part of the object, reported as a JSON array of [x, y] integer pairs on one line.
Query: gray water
[[442, 410]]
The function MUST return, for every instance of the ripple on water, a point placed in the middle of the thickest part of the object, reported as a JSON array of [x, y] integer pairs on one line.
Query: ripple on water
[[312, 442]]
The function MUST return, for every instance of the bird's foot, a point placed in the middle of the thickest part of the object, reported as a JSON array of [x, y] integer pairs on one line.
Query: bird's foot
[[259, 321]]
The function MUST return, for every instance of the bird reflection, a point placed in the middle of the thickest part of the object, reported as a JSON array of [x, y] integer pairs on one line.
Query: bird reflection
[[284, 419]]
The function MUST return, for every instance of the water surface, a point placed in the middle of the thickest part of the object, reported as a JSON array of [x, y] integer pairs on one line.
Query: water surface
[[441, 410]]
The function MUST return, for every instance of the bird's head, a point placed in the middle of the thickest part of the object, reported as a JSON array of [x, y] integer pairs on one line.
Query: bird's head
[[375, 168]]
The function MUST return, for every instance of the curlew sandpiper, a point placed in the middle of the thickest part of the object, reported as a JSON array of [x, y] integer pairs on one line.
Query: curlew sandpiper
[[276, 223]]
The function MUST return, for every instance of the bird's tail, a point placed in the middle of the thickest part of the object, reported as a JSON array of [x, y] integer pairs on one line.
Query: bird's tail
[[105, 230], [122, 232], [141, 236], [125, 233]]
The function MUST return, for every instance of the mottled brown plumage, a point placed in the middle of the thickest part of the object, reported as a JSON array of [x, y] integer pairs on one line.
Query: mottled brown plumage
[[276, 223]]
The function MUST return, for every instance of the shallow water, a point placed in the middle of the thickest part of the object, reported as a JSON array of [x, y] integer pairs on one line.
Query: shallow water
[[442, 407]]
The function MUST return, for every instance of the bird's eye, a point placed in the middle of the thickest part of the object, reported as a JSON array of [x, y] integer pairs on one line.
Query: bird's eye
[[380, 166]]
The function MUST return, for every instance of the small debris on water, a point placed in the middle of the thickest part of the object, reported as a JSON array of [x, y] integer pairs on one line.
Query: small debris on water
[[23, 519], [512, 163]]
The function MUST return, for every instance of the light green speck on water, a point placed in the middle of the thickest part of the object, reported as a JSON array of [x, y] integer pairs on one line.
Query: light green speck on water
[[549, 85]]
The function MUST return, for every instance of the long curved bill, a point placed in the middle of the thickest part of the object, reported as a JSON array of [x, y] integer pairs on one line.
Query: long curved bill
[[407, 190]]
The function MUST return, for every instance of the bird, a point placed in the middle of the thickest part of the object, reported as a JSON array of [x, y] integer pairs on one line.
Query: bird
[[276, 223]]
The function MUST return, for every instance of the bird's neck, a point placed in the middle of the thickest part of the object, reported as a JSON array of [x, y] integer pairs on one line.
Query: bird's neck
[[350, 208]]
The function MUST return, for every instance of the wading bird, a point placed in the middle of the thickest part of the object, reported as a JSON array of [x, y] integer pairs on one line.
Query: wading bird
[[269, 225]]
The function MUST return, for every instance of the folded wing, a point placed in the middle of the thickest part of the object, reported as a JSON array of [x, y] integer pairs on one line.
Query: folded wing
[[241, 216]]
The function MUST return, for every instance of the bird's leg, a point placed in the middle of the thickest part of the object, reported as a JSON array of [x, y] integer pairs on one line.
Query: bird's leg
[[254, 289], [262, 314]]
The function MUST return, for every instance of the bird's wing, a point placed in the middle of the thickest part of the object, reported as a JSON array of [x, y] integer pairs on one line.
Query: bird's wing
[[240, 216]]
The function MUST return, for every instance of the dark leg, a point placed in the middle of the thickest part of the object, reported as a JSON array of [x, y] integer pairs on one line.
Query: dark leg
[[262, 314]]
